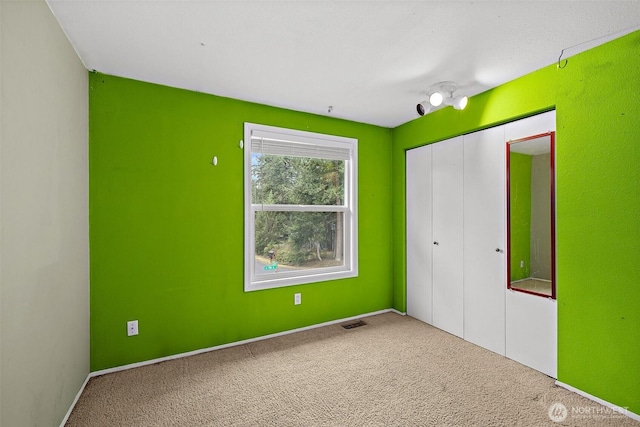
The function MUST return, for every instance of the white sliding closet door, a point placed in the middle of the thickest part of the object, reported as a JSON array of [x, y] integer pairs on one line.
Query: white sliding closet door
[[484, 239], [419, 237], [447, 157]]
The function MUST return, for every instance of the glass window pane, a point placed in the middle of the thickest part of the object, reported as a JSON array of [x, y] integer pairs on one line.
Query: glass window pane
[[287, 241], [296, 180]]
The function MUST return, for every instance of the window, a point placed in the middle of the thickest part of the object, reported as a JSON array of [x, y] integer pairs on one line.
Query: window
[[300, 207]]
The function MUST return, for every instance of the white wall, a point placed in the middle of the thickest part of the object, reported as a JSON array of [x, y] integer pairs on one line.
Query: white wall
[[44, 294]]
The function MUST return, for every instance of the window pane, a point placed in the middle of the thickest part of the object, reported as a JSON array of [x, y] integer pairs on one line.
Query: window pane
[[287, 241], [296, 180]]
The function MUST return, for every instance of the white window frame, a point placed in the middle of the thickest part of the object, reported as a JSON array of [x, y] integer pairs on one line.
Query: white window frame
[[307, 141]]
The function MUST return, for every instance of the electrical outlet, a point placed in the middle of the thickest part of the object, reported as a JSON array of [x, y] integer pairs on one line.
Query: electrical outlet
[[132, 327], [297, 299], [521, 264]]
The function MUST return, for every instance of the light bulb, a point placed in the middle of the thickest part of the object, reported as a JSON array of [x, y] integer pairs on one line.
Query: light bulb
[[436, 99]]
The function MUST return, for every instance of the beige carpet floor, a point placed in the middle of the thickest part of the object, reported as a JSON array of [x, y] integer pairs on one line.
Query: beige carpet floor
[[395, 371]]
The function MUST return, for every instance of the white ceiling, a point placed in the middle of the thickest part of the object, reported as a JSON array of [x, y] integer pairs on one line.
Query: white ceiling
[[371, 60]]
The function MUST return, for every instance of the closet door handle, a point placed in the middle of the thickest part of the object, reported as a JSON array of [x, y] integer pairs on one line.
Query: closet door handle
[[436, 243], [498, 250]]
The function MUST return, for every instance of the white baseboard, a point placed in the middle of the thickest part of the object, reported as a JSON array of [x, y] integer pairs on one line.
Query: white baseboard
[[236, 343], [73, 404], [401, 313], [616, 408]]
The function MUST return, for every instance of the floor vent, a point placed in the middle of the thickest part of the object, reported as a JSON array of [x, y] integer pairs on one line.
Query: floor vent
[[355, 324]]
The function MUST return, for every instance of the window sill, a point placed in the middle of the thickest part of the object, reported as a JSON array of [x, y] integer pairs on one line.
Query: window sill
[[283, 280]]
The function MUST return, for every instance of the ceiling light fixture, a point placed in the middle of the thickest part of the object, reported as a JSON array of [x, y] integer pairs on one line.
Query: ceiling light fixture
[[439, 94]]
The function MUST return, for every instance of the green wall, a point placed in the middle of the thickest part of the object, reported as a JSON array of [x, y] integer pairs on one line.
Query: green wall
[[167, 226], [520, 199], [598, 201]]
